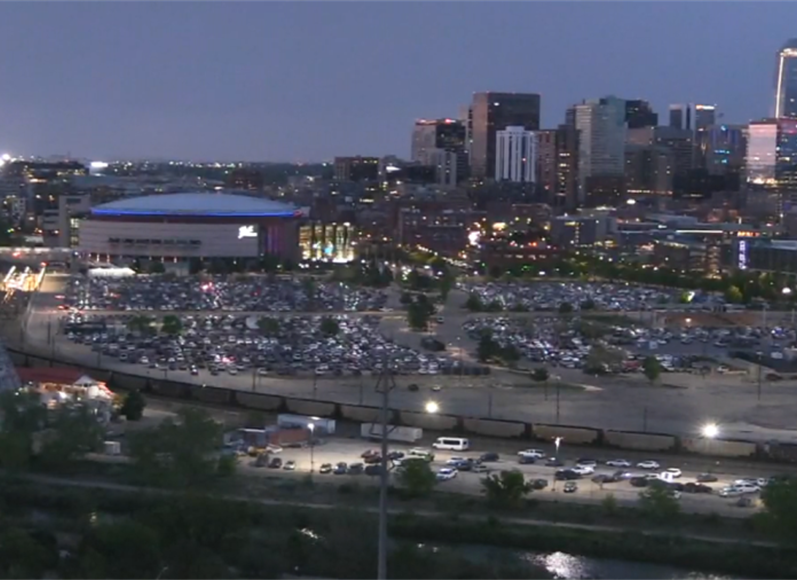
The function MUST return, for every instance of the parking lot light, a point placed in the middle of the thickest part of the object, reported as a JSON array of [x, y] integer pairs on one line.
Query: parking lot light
[[710, 430], [432, 407], [311, 426]]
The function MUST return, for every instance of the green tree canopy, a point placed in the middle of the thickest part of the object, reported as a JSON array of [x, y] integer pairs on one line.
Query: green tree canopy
[[659, 503], [416, 476], [506, 489], [172, 325], [651, 367], [133, 406], [182, 453], [329, 326], [780, 503]]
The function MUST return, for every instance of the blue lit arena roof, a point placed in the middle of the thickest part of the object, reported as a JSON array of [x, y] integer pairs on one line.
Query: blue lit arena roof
[[196, 204]]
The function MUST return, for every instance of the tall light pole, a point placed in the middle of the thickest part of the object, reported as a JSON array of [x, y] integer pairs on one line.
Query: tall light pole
[[311, 426], [384, 385]]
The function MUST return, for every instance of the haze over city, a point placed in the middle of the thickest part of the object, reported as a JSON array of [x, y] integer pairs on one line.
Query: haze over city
[[308, 81]]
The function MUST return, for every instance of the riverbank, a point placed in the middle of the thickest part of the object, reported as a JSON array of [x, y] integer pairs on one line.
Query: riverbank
[[675, 546]]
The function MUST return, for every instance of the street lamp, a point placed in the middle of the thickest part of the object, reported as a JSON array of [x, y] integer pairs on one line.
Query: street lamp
[[710, 430], [787, 294], [557, 441], [432, 407], [311, 426]]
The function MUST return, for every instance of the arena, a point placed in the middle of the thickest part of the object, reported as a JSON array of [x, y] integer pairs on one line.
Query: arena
[[180, 227]]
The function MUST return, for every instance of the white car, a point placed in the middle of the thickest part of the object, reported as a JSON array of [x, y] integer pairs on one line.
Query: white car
[[673, 472], [649, 464], [583, 469], [446, 473], [730, 492], [618, 463], [747, 488], [454, 461], [533, 453]]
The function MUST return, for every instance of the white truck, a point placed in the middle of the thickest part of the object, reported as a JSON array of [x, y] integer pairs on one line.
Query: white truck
[[373, 431]]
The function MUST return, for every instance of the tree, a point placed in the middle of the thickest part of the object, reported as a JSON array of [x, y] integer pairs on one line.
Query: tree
[[419, 312], [133, 406], [446, 284], [73, 432], [651, 367], [474, 303], [23, 416], [488, 348], [329, 326], [406, 298], [22, 556], [658, 503], [506, 489], [565, 308], [733, 295], [609, 505], [780, 503], [180, 453], [540, 375], [416, 476], [123, 549], [510, 354], [172, 325], [588, 304], [269, 326]]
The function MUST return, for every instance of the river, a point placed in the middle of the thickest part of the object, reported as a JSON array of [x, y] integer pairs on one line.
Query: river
[[568, 566]]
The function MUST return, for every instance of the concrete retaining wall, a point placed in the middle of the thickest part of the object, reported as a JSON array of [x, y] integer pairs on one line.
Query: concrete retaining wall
[[363, 414], [34, 361], [18, 358], [259, 402], [310, 408], [574, 435], [719, 448], [641, 441], [494, 428], [127, 382], [428, 421], [211, 395]]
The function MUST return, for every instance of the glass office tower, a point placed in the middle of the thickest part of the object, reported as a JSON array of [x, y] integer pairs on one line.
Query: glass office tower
[[786, 81]]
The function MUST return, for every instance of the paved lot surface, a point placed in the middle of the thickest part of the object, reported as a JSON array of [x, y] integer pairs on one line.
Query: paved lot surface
[[608, 403], [334, 451]]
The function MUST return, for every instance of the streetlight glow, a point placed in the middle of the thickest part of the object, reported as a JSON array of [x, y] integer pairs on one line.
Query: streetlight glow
[[710, 430], [786, 291], [432, 407]]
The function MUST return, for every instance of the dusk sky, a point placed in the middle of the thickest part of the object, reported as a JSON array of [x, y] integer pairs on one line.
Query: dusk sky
[[306, 81]]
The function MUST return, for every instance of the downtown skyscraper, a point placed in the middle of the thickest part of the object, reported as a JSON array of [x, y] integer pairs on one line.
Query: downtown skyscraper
[[493, 112], [786, 82]]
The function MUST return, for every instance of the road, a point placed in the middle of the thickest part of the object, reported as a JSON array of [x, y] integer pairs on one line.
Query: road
[[609, 403]]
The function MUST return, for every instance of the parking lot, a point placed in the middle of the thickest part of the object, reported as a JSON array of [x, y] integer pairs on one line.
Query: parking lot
[[220, 293], [334, 453], [332, 345], [545, 296]]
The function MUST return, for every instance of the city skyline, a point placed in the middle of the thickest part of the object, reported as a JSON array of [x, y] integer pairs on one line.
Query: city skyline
[[306, 82]]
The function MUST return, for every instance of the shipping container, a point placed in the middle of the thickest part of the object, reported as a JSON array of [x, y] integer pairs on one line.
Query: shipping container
[[394, 433]]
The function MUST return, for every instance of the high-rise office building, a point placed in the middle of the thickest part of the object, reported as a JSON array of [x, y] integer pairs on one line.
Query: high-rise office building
[[546, 162], [679, 141], [493, 112], [516, 155], [648, 170], [720, 149], [771, 161], [356, 168], [705, 116], [566, 192], [639, 113], [786, 81], [432, 138], [601, 141], [681, 116]]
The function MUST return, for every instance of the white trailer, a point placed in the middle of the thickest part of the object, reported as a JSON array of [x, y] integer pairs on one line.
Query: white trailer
[[404, 434], [320, 426]]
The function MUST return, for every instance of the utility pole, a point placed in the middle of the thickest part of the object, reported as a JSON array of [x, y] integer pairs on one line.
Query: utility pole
[[758, 388], [384, 385]]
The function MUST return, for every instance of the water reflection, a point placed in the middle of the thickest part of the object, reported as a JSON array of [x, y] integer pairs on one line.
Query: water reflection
[[570, 567]]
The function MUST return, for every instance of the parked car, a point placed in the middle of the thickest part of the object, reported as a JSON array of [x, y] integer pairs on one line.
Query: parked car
[[566, 474], [490, 456], [571, 487], [539, 483], [356, 468], [341, 469], [325, 468], [275, 463], [618, 463], [673, 472], [706, 478], [289, 465], [446, 473], [648, 464], [533, 453], [554, 462], [639, 481]]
